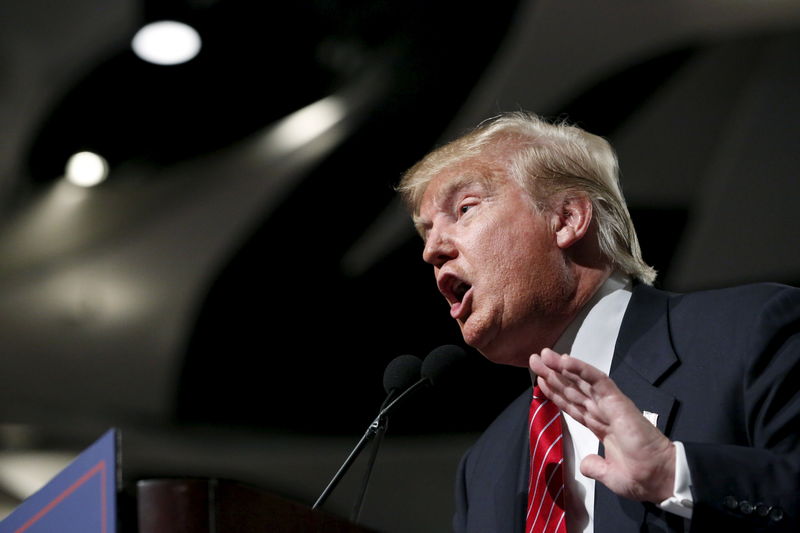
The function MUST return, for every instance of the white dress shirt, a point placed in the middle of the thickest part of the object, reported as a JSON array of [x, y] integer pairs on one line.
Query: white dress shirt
[[591, 337]]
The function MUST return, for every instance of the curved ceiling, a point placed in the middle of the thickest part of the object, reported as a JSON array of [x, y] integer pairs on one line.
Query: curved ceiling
[[247, 259]]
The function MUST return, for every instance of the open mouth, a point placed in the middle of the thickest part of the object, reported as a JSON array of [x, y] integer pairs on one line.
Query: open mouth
[[457, 292], [460, 289]]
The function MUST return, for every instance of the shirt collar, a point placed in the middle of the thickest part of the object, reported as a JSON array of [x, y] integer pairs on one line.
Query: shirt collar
[[592, 334]]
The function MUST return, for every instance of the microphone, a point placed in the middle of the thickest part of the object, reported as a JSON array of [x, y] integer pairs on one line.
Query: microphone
[[439, 362], [401, 373]]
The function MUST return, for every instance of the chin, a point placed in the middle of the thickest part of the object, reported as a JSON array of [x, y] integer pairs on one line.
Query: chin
[[493, 351], [496, 350], [506, 359]]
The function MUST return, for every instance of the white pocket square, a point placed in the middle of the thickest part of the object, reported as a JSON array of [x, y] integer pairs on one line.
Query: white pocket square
[[651, 417]]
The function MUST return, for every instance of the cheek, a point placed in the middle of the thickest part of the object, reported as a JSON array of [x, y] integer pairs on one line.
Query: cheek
[[511, 270], [501, 257], [535, 270]]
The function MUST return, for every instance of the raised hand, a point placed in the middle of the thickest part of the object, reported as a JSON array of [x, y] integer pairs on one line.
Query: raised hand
[[639, 460]]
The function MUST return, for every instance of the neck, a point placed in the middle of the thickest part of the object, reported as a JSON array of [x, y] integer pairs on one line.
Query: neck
[[591, 279], [587, 282], [590, 269], [517, 348]]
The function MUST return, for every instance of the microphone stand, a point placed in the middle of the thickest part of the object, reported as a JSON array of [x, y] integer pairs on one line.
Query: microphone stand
[[380, 432], [372, 430]]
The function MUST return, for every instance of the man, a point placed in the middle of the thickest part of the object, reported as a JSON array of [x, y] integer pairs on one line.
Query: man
[[698, 426]]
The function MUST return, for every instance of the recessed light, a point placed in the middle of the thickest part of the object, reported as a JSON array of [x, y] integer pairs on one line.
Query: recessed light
[[166, 42]]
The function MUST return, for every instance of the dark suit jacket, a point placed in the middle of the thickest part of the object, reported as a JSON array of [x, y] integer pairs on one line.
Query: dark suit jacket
[[722, 370]]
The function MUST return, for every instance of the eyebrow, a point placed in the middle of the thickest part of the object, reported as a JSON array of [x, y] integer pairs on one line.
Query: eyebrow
[[449, 190]]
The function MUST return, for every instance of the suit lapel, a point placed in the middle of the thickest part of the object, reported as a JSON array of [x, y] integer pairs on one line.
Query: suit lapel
[[516, 479], [510, 482], [644, 354], [642, 357]]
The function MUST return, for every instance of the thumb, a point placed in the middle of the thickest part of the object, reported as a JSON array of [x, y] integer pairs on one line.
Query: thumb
[[594, 467]]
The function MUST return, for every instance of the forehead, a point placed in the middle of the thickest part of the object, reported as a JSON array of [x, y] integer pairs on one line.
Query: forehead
[[476, 172], [444, 186], [489, 167], [448, 185]]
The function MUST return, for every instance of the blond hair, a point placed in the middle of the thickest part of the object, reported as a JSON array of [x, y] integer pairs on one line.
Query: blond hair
[[547, 159]]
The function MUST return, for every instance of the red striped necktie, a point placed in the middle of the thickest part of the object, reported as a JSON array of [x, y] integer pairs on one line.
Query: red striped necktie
[[546, 483]]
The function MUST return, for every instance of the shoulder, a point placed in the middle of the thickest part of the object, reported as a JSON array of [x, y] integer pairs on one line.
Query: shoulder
[[735, 324], [737, 320], [754, 306], [755, 293], [738, 304]]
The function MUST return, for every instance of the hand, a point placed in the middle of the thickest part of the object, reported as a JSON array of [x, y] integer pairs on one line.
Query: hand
[[639, 460]]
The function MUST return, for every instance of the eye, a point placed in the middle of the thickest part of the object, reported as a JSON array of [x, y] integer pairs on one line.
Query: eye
[[465, 205]]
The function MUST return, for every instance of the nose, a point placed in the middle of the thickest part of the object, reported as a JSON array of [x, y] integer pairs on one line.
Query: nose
[[439, 248]]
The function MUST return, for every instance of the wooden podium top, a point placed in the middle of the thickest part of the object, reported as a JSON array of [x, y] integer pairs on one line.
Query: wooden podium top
[[223, 506]]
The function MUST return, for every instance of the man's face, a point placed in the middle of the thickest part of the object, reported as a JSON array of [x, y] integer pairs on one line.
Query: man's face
[[496, 262]]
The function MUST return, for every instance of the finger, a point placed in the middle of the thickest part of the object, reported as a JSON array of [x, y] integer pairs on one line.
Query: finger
[[585, 387], [568, 386], [597, 424], [554, 360], [567, 382], [575, 410], [563, 379], [582, 374], [544, 362], [550, 363], [582, 370], [538, 366], [545, 374], [564, 387], [584, 408], [590, 380]]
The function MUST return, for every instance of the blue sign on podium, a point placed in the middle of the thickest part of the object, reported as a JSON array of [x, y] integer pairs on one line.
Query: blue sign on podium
[[79, 499]]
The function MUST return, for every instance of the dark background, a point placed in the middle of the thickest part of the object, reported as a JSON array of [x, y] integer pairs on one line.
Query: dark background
[[230, 300]]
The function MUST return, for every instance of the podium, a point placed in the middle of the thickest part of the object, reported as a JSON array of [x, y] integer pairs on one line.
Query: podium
[[224, 506], [86, 497]]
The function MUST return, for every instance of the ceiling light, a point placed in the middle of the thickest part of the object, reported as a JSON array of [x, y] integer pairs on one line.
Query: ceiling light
[[307, 124], [86, 169], [166, 42]]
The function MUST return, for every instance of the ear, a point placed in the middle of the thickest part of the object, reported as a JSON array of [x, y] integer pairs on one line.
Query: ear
[[574, 219]]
